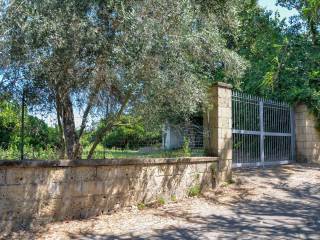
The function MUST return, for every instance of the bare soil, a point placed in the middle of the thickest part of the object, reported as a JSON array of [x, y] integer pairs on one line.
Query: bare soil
[[271, 203]]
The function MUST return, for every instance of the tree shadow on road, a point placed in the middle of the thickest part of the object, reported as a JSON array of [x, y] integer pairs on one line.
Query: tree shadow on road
[[296, 216]]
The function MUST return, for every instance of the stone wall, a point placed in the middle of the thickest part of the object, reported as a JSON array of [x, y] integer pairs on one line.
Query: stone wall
[[307, 136], [33, 192]]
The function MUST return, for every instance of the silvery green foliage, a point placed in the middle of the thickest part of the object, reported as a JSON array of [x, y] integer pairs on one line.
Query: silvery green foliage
[[186, 51], [156, 58]]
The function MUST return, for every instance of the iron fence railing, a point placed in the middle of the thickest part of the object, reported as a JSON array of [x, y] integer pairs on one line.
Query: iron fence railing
[[263, 131]]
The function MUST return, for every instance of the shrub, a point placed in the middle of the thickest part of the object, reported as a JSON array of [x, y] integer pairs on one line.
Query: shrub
[[173, 198], [141, 206], [194, 191], [186, 147], [131, 134], [161, 201]]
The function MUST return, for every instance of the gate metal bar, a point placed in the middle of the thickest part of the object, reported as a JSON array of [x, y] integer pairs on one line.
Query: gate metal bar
[[259, 133], [263, 131]]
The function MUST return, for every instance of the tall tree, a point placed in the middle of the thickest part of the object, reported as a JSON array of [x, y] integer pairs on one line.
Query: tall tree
[[284, 61], [110, 57], [309, 11]]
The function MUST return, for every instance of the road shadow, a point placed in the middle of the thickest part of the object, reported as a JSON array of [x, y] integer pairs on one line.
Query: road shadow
[[296, 216]]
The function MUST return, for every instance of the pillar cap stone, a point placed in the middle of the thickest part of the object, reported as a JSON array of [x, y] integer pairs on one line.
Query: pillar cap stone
[[223, 85]]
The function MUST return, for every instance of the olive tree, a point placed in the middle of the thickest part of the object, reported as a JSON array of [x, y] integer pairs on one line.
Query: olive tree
[[107, 58]]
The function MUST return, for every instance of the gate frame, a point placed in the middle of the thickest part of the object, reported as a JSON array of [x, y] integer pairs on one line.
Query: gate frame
[[263, 134], [217, 122]]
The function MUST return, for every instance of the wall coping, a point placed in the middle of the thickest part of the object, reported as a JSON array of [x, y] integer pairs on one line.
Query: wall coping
[[223, 85], [105, 162]]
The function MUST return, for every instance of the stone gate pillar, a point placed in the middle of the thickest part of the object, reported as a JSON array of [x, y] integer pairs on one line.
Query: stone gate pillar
[[307, 135], [218, 129]]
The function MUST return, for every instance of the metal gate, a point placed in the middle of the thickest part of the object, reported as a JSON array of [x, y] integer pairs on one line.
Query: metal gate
[[262, 131]]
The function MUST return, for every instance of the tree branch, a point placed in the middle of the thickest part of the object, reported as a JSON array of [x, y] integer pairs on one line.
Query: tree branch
[[109, 125]]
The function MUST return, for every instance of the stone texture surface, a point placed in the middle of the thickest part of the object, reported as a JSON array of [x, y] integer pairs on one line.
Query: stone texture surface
[[307, 136], [40, 193], [270, 203], [218, 125], [2, 177]]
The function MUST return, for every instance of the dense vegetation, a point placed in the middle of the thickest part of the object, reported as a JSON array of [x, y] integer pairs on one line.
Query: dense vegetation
[[38, 133], [108, 58], [130, 133], [284, 57], [129, 67]]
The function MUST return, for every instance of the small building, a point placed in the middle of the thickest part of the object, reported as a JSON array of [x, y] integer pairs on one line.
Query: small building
[[174, 135]]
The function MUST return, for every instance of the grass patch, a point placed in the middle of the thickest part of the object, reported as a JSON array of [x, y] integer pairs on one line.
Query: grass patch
[[161, 201], [119, 153], [13, 153], [194, 191], [226, 184], [141, 206], [173, 198]]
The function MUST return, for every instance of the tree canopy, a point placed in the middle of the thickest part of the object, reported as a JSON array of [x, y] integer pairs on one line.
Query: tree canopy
[[152, 59], [284, 57], [155, 58]]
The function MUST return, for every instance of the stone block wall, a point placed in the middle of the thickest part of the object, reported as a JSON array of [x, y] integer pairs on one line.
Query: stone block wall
[[34, 192], [218, 125], [307, 136]]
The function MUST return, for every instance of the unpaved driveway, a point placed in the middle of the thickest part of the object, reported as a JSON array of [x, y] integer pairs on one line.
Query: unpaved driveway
[[274, 203]]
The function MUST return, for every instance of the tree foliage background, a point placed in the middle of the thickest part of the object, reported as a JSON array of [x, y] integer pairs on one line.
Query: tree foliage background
[[107, 58], [284, 57], [154, 60]]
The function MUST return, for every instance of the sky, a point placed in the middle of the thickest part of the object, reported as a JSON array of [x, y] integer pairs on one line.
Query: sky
[[271, 5]]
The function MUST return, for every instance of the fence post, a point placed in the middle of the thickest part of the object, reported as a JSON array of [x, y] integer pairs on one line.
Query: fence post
[[218, 128], [22, 125]]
